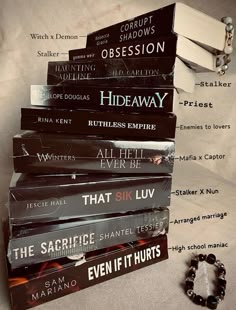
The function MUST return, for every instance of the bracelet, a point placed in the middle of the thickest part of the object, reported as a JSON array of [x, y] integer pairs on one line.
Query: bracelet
[[212, 301], [223, 59]]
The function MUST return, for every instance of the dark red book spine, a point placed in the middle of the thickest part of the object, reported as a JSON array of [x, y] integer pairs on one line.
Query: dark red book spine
[[52, 280]]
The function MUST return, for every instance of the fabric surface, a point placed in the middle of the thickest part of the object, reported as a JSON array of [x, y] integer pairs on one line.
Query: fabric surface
[[158, 286]]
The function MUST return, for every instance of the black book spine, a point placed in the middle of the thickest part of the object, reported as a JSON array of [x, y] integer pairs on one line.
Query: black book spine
[[98, 123], [30, 291], [150, 25], [73, 200], [149, 72], [161, 47], [129, 99], [44, 243], [44, 153]]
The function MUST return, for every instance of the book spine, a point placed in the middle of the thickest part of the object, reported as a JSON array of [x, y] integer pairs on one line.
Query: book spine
[[55, 203], [35, 245], [98, 123], [150, 25], [27, 293], [161, 47], [149, 72], [104, 98], [45, 153]]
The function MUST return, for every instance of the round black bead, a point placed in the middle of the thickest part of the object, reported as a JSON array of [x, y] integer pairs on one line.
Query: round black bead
[[221, 291], [189, 285], [199, 300], [211, 259], [221, 271], [194, 263], [212, 302], [201, 257], [222, 282], [191, 274]]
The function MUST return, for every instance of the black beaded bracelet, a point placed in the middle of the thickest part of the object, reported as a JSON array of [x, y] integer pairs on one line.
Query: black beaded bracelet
[[212, 301]]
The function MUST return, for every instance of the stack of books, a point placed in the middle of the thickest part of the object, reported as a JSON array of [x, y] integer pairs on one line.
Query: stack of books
[[90, 194]]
